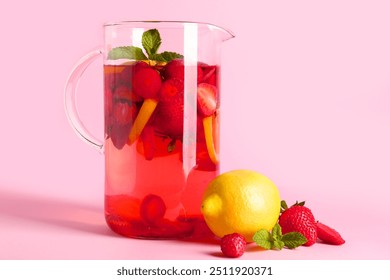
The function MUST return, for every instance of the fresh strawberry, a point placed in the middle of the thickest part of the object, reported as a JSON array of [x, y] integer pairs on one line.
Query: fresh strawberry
[[146, 82], [207, 99], [233, 245], [175, 69], [329, 235], [139, 65], [124, 113], [123, 75], [169, 116], [299, 218], [152, 209], [148, 141], [171, 88]]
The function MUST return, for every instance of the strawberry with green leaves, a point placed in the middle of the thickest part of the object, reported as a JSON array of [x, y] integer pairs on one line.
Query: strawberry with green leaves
[[296, 227], [299, 218]]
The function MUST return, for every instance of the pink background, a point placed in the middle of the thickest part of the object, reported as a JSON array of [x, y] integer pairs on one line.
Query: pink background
[[306, 102]]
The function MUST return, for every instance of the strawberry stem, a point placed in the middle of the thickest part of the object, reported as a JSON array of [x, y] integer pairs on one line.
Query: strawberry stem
[[283, 205]]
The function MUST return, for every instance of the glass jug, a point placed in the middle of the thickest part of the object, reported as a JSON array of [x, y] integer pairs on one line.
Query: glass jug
[[161, 119]]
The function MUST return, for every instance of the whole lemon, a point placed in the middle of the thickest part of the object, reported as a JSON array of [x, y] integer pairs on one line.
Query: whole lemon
[[241, 201]]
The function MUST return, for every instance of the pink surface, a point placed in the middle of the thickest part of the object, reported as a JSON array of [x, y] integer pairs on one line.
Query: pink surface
[[306, 102]]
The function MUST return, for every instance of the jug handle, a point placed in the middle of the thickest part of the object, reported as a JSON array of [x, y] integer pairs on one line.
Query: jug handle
[[70, 100]]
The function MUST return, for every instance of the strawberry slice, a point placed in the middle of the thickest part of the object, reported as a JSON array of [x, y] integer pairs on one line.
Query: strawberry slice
[[329, 235], [207, 106], [171, 88], [207, 99]]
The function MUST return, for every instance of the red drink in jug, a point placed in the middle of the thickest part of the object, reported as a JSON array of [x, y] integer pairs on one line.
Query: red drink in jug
[[149, 193]]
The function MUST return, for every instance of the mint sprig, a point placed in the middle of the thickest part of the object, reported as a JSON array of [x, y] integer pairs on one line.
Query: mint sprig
[[276, 240], [151, 42]]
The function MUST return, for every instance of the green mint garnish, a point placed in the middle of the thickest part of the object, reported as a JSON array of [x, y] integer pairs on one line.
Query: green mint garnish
[[129, 52], [276, 240], [264, 239], [165, 56], [293, 239], [277, 232], [151, 41]]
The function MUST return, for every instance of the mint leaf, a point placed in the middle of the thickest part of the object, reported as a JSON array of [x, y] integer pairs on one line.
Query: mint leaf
[[264, 239], [165, 56], [128, 52], [151, 41], [277, 232], [278, 244], [293, 239]]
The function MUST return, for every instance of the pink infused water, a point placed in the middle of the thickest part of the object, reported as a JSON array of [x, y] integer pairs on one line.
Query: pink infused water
[[148, 193]]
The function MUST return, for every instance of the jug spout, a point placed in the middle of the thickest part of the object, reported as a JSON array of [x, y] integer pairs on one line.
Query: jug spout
[[225, 34]]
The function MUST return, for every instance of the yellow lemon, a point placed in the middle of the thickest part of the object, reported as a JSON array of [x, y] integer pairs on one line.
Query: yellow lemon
[[241, 201]]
